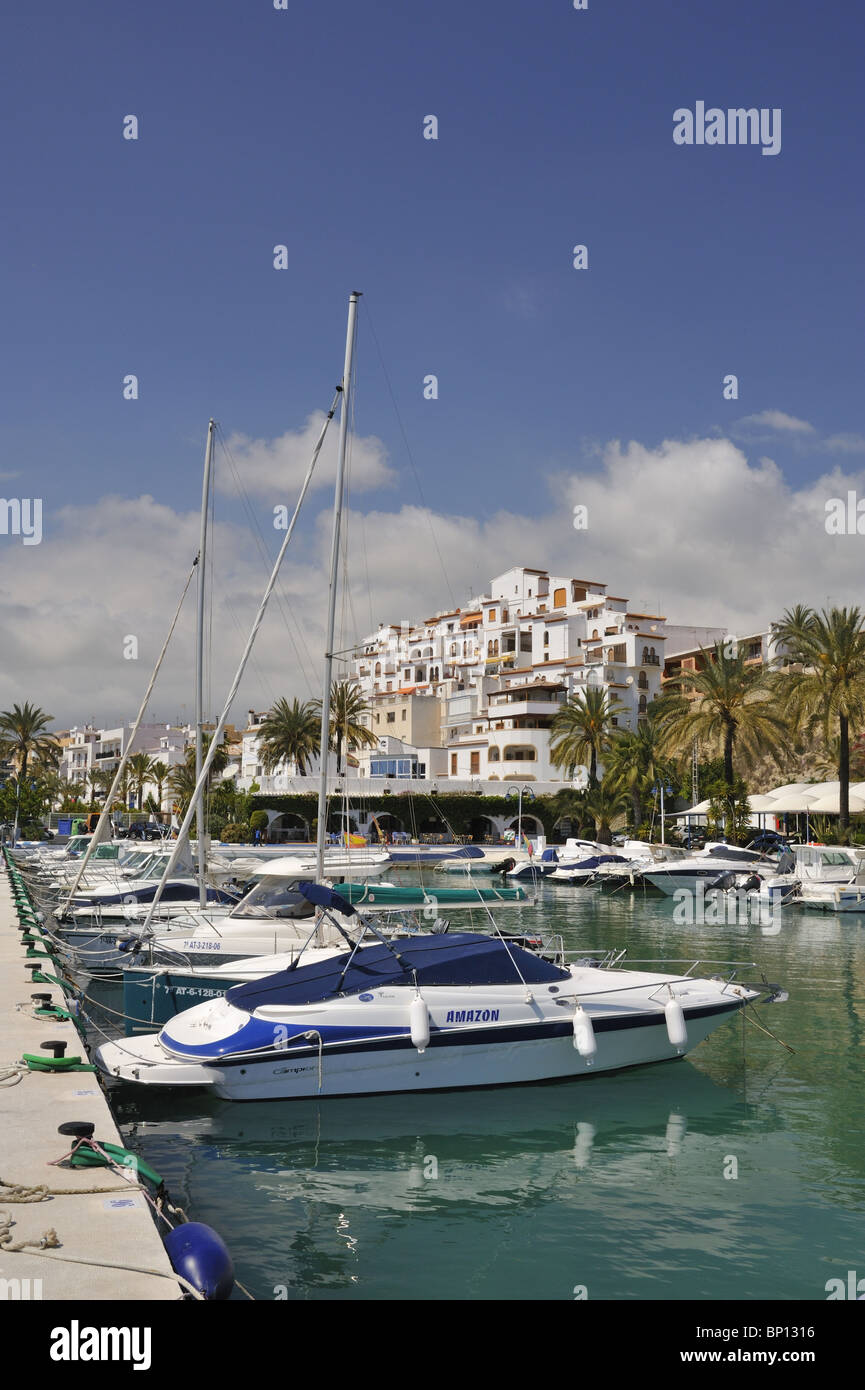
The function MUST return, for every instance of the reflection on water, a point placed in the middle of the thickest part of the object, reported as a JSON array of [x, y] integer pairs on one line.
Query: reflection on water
[[736, 1173]]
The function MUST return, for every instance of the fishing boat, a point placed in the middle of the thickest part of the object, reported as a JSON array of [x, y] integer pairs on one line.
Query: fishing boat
[[423, 1013]]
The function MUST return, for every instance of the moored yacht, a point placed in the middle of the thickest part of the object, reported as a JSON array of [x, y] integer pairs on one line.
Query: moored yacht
[[706, 867]]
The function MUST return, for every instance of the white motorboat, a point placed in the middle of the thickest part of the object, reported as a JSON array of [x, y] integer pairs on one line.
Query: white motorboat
[[426, 1013], [831, 878], [706, 867]]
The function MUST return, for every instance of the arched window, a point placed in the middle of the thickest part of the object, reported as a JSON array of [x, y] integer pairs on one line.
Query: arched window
[[595, 634], [642, 705], [496, 648], [645, 656], [520, 753], [378, 668], [493, 755], [489, 648]]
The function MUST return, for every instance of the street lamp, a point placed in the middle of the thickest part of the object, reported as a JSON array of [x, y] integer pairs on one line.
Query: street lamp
[[518, 791]]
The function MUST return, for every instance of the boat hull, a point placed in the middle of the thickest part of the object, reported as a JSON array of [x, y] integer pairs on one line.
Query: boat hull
[[476, 1058]]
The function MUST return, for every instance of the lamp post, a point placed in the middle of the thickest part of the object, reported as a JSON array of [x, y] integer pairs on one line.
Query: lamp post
[[518, 791]]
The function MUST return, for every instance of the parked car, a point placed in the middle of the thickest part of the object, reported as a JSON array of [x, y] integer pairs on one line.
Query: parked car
[[143, 830]]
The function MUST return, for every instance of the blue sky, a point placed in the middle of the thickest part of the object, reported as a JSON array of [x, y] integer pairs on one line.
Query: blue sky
[[304, 127]]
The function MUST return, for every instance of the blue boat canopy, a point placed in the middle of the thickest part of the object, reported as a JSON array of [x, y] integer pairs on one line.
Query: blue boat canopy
[[453, 959], [324, 897]]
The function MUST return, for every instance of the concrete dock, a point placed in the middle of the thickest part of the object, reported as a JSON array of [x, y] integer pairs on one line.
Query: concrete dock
[[100, 1229]]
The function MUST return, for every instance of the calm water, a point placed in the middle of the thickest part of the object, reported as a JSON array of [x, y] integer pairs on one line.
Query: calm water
[[613, 1183]]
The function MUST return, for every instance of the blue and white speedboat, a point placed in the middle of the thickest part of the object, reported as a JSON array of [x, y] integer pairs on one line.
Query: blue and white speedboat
[[421, 1013]]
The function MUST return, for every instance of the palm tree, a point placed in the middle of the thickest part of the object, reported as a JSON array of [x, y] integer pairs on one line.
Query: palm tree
[[124, 786], [53, 788], [635, 764], [828, 686], [347, 706], [605, 803], [23, 733], [141, 770], [734, 707], [583, 728], [159, 774], [94, 776], [181, 783], [290, 733], [181, 780]]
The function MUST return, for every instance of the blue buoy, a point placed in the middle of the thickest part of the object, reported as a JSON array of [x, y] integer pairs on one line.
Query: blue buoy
[[201, 1256]]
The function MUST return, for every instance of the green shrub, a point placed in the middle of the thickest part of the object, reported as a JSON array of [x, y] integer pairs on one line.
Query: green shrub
[[234, 834]]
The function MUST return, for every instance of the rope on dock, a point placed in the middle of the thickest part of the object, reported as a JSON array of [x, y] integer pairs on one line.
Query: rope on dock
[[20, 1192], [48, 1239]]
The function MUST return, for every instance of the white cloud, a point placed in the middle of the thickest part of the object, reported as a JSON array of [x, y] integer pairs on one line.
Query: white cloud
[[692, 525], [844, 444], [777, 420], [275, 468]]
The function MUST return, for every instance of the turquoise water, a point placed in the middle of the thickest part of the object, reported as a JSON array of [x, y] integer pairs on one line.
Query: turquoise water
[[612, 1184]]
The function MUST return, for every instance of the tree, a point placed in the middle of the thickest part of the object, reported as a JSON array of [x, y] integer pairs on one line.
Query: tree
[[24, 733], [726, 705], [584, 728], [635, 764], [606, 803], [159, 773], [826, 685], [181, 780], [140, 770], [290, 733], [347, 706]]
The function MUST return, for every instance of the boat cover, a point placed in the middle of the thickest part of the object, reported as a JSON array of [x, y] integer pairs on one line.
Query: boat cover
[[462, 959]]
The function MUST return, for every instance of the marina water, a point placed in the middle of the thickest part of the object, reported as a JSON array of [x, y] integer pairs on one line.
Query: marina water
[[736, 1173]]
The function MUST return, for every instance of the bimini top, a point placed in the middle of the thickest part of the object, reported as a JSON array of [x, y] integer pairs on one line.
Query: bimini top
[[459, 959]]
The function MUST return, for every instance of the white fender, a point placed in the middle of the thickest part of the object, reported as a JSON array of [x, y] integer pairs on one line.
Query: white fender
[[419, 1019], [677, 1032], [584, 1034]]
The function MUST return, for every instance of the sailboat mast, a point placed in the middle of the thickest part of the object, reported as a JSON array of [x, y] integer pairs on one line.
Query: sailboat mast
[[199, 664], [321, 831]]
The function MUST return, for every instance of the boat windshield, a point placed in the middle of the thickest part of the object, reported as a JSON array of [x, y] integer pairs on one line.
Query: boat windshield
[[273, 897]]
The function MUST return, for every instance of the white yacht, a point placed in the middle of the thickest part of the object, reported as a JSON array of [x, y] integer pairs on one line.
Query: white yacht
[[831, 878], [706, 867]]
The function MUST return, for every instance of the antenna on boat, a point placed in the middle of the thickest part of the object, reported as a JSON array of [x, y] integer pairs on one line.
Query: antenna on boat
[[321, 829]]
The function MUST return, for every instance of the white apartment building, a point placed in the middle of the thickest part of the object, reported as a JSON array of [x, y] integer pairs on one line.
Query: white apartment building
[[495, 673]]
